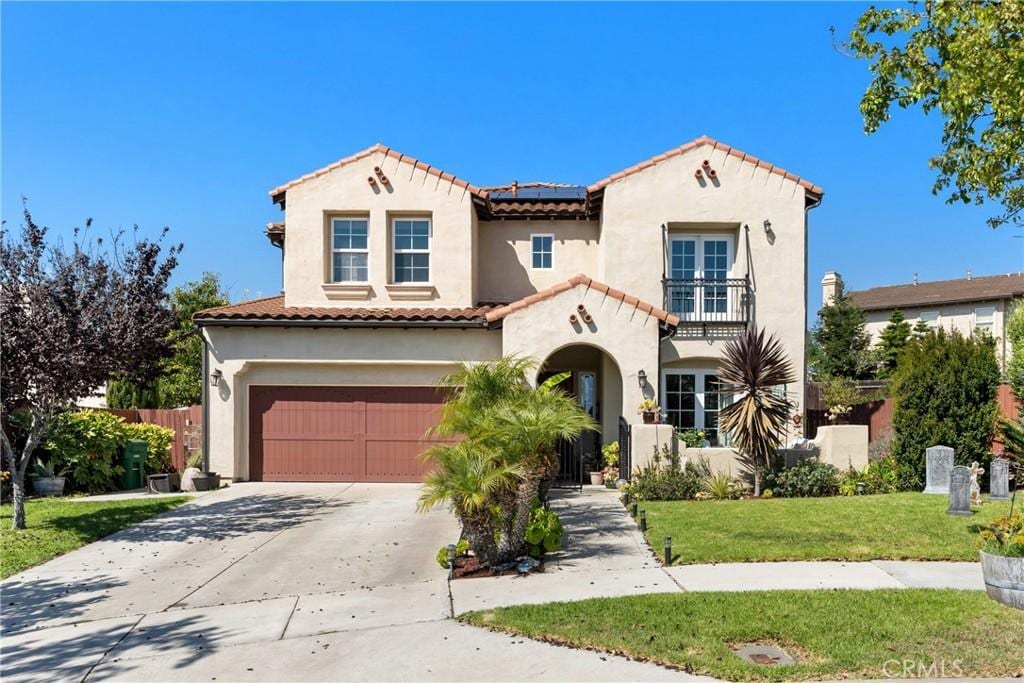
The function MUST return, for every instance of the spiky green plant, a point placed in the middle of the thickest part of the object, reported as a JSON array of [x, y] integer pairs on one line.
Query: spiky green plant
[[753, 365]]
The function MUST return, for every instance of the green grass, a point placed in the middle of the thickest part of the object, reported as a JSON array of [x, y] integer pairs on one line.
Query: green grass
[[58, 526], [901, 526], [864, 634]]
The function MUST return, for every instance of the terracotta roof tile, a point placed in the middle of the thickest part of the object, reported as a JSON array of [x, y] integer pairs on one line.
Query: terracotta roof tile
[[273, 308], [577, 280], [985, 288], [704, 140]]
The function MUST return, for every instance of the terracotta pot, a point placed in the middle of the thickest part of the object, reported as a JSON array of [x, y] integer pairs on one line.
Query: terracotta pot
[[596, 478], [649, 418]]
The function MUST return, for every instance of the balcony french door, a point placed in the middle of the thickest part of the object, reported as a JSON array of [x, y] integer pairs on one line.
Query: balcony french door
[[698, 268]]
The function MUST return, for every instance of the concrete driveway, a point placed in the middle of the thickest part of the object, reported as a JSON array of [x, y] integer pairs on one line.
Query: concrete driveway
[[270, 582]]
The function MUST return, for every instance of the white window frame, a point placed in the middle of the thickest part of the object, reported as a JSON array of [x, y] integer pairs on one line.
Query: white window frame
[[395, 250], [933, 322], [534, 236], [699, 387], [350, 250], [698, 270], [987, 326]]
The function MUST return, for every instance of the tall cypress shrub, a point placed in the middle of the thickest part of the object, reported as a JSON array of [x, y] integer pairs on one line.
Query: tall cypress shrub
[[944, 392]]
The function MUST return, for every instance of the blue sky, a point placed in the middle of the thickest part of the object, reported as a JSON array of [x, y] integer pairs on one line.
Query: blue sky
[[186, 114]]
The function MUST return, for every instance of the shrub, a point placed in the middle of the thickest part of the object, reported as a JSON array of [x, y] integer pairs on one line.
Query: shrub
[[719, 486], [664, 478], [544, 532], [943, 392], [1003, 536], [806, 479], [691, 438], [880, 476], [158, 455], [86, 442]]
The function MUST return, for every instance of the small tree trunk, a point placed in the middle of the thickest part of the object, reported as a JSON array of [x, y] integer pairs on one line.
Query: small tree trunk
[[480, 535], [757, 482], [18, 498]]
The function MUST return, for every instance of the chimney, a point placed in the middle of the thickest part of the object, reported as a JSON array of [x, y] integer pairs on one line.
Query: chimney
[[830, 285], [515, 188]]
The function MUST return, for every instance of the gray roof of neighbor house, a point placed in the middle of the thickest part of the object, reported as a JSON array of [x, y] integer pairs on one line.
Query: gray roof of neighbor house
[[963, 290]]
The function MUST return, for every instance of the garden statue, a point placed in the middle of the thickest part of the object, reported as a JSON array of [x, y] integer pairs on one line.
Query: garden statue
[[976, 471]]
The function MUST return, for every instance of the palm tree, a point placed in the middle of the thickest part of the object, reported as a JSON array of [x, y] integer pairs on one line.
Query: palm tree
[[752, 368], [506, 459], [469, 478]]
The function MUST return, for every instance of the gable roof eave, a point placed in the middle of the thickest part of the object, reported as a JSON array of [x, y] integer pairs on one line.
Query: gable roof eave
[[277, 195], [498, 314]]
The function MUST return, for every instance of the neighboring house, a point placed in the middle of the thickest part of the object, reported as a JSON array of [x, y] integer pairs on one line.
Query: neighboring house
[[968, 305], [395, 272]]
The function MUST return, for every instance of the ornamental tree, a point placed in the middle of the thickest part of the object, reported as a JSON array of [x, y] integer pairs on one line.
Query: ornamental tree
[[1015, 366], [72, 315], [843, 340], [963, 61], [891, 343]]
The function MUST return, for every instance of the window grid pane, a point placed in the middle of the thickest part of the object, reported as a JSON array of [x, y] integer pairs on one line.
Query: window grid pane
[[411, 250], [349, 245], [541, 251]]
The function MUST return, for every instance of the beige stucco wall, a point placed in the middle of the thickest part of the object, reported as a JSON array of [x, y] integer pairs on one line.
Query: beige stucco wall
[[626, 335], [958, 317], [345, 191], [327, 356], [636, 207], [505, 247]]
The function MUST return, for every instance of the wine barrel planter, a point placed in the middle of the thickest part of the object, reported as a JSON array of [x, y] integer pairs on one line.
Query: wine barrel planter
[[1004, 579], [48, 486]]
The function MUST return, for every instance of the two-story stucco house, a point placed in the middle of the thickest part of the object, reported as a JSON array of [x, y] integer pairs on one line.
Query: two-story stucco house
[[396, 271], [967, 305]]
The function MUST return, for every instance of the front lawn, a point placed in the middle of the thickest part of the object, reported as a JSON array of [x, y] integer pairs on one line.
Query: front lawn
[[57, 526], [836, 634], [900, 526]]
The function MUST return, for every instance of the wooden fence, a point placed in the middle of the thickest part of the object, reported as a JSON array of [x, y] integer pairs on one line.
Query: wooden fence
[[186, 423], [877, 415]]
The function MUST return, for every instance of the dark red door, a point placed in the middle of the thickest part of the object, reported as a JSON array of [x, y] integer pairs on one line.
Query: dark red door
[[340, 433]]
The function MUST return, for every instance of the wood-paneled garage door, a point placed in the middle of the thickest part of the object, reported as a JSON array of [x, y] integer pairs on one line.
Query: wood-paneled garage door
[[340, 433]]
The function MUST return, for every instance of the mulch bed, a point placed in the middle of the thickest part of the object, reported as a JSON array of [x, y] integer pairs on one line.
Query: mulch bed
[[468, 567]]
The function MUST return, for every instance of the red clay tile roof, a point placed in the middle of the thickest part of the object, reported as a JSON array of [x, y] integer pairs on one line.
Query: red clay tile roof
[[277, 194], [521, 209], [273, 308], [705, 140], [576, 280], [986, 288]]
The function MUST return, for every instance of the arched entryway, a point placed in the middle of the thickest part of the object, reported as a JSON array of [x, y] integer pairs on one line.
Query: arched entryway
[[595, 381]]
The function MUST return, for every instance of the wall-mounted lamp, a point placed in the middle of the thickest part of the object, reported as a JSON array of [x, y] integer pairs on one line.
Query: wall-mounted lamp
[[642, 378], [767, 226], [215, 377]]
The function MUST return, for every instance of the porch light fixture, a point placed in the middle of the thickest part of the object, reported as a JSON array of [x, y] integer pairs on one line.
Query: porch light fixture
[[215, 377], [642, 378], [767, 227]]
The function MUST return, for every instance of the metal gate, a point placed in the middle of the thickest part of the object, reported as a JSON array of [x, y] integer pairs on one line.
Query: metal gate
[[570, 464], [625, 449]]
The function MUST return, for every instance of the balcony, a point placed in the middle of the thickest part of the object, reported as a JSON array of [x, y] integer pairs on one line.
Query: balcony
[[709, 308]]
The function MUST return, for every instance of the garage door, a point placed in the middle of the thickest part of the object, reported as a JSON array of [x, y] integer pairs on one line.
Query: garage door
[[340, 433]]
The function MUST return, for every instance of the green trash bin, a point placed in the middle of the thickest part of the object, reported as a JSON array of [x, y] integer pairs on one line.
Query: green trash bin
[[133, 460]]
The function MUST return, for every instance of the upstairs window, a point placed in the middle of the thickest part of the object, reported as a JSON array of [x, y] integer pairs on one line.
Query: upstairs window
[[695, 264], [931, 318], [411, 249], [984, 316], [349, 252], [541, 251]]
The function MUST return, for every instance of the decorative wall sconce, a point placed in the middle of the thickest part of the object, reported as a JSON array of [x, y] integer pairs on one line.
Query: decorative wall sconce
[[642, 378], [215, 377], [767, 226]]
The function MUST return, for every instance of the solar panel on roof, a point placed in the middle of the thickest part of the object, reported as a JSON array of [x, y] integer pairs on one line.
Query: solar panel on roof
[[567, 193]]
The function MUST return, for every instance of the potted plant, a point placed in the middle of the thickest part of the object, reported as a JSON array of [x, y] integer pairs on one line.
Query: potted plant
[[840, 395], [693, 438], [1001, 546], [595, 466], [47, 480], [610, 474], [649, 409]]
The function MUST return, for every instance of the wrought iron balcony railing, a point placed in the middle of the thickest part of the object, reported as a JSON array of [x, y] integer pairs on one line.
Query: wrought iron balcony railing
[[726, 301]]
